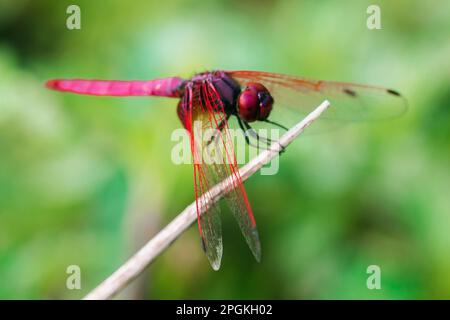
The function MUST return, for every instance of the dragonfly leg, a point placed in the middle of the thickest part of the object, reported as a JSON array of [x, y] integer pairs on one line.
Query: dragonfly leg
[[247, 140], [276, 124], [254, 134], [220, 127], [258, 138]]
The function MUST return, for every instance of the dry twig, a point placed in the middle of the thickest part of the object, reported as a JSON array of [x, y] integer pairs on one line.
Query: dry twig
[[161, 241]]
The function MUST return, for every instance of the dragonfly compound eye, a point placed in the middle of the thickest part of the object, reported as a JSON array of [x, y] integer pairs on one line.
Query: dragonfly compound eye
[[254, 102]]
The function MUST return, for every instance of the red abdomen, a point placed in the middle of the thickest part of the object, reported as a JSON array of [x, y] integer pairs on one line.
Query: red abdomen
[[166, 87]]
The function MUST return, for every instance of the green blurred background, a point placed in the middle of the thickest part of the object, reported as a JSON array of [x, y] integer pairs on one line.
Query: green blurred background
[[87, 180]]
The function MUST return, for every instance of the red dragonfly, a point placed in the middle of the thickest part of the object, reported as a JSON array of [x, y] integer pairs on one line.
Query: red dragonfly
[[252, 97]]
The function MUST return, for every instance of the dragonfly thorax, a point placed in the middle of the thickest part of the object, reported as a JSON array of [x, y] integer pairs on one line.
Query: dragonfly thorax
[[225, 88], [250, 104]]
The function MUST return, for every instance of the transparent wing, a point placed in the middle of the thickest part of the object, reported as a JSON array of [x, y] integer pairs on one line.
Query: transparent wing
[[209, 223], [349, 102], [218, 161]]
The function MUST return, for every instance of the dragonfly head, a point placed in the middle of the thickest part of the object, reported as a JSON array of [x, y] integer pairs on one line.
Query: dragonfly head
[[254, 102]]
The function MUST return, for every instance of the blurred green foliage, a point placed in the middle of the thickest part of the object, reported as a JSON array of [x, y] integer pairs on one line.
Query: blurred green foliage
[[86, 180]]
